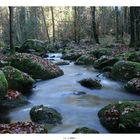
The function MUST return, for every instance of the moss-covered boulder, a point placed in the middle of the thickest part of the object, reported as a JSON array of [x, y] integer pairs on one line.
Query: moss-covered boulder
[[35, 66], [99, 61], [85, 60], [72, 55], [44, 115], [22, 128], [33, 46], [17, 80], [3, 85], [85, 130], [62, 63], [122, 117], [125, 70], [133, 85], [13, 99], [101, 51], [130, 56], [91, 83]]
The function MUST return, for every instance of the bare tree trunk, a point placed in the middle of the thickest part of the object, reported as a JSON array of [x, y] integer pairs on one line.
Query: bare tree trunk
[[135, 26], [46, 27], [12, 49], [94, 31], [53, 24], [117, 23], [75, 24]]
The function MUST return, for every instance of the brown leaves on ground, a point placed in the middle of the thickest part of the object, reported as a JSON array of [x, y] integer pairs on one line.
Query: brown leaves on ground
[[22, 128], [12, 94]]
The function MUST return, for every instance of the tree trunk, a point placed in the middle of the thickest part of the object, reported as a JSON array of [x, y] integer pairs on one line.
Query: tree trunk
[[12, 49], [135, 26], [117, 23], [75, 24], [94, 31], [46, 27], [53, 24]]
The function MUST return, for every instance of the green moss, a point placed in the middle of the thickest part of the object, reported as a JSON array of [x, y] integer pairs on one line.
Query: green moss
[[85, 130], [85, 60], [17, 80], [125, 70], [121, 117], [44, 115], [3, 85], [34, 65], [101, 51]]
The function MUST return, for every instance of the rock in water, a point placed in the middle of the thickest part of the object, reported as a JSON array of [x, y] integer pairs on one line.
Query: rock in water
[[35, 66], [85, 130], [122, 117], [17, 80], [133, 85], [3, 85], [44, 115], [91, 83]]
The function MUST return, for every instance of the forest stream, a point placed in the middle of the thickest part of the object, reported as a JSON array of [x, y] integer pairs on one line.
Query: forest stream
[[62, 94]]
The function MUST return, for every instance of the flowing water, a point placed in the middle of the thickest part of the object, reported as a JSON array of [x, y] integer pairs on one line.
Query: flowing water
[[77, 110]]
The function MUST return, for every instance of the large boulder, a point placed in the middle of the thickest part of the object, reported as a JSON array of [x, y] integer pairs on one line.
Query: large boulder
[[90, 83], [122, 117], [33, 46], [85, 130], [3, 85], [72, 55], [133, 85], [35, 66], [101, 51], [104, 61], [13, 99], [125, 70], [44, 115], [85, 60], [17, 80]]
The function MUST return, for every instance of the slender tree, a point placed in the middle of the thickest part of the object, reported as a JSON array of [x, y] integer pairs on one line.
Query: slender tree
[[46, 27], [11, 12], [117, 23], [53, 24], [94, 31], [75, 24], [135, 26]]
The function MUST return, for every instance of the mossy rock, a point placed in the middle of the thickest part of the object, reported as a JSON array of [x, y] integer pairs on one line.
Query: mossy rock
[[17, 80], [99, 61], [130, 56], [44, 115], [72, 55], [122, 117], [35, 66], [85, 130], [133, 85], [90, 83], [125, 70], [101, 51], [62, 63], [85, 60], [32, 46], [3, 85], [9, 104]]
